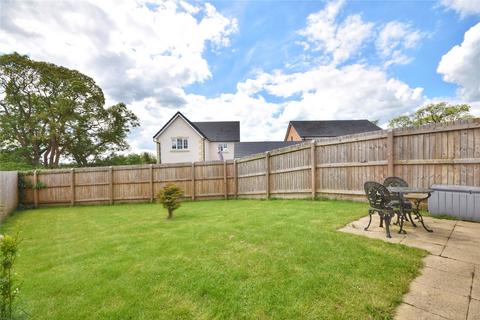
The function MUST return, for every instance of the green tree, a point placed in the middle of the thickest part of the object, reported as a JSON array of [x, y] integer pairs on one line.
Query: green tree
[[127, 159], [432, 113], [170, 196], [13, 161], [49, 112]]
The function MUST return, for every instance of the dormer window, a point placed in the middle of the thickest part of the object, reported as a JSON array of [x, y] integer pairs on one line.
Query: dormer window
[[179, 143]]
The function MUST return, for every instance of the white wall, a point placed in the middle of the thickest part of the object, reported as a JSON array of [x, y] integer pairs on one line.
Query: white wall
[[8, 193], [213, 151], [180, 128], [207, 150]]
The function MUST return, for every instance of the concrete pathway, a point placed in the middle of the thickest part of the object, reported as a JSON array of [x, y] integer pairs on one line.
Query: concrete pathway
[[449, 286]]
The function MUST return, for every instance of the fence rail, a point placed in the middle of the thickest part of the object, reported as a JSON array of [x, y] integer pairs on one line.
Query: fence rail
[[331, 167]]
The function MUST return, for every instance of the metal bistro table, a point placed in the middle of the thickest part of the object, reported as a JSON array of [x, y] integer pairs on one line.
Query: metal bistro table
[[414, 194]]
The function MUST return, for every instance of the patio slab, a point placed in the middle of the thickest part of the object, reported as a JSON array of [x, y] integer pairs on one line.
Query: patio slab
[[437, 301], [462, 252], [466, 233], [406, 312], [446, 281], [449, 286], [476, 284], [449, 265], [474, 310], [433, 248]]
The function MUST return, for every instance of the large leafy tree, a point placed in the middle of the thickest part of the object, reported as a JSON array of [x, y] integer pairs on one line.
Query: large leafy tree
[[432, 113], [48, 112]]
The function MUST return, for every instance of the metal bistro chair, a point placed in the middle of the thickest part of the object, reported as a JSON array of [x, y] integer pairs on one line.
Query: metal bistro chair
[[398, 199], [379, 199]]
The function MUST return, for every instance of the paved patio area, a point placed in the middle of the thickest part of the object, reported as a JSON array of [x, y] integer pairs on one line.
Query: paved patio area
[[449, 286]]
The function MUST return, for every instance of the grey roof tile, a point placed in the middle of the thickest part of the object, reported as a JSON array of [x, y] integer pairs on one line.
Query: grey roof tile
[[243, 149], [220, 130], [332, 128]]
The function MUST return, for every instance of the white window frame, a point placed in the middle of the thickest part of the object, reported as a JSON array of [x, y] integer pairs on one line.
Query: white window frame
[[222, 147], [179, 143]]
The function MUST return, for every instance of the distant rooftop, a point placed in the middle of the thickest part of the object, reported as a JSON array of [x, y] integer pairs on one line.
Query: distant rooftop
[[332, 128], [219, 130], [243, 149]]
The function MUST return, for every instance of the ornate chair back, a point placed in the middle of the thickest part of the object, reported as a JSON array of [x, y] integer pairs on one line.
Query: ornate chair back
[[377, 194], [395, 182]]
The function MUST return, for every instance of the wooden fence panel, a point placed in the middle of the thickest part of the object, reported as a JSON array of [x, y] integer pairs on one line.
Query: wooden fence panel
[[209, 179], [344, 164], [92, 185], [334, 167], [181, 175], [441, 156], [28, 194], [58, 191], [131, 183], [290, 172], [251, 175]]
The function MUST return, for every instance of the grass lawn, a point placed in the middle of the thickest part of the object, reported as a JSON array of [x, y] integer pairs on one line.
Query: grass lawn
[[236, 259]]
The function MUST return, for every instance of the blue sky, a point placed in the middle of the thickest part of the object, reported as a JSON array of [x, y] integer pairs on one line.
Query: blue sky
[[263, 63], [269, 31]]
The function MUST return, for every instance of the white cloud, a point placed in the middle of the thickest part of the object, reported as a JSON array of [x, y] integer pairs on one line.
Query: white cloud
[[339, 40], [133, 49], [353, 91], [394, 39], [463, 7], [461, 65]]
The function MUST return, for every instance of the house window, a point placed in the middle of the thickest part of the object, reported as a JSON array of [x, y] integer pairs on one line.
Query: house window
[[179, 143], [222, 147]]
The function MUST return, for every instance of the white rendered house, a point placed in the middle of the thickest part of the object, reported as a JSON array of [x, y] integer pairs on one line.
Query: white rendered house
[[181, 140]]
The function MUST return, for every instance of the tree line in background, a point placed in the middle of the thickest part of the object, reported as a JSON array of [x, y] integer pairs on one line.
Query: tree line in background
[[432, 113], [51, 116], [9, 161]]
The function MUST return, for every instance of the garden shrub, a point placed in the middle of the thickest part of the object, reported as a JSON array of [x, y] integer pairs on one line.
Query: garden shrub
[[25, 184], [8, 291], [170, 196]]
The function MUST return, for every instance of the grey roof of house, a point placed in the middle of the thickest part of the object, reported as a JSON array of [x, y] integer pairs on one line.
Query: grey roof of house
[[219, 130], [243, 149], [332, 128]]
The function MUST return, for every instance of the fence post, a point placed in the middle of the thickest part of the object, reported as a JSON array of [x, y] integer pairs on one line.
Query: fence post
[[235, 178], [193, 180], [225, 184], [151, 183], [267, 174], [35, 189], [313, 173], [110, 171], [390, 154], [72, 186]]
